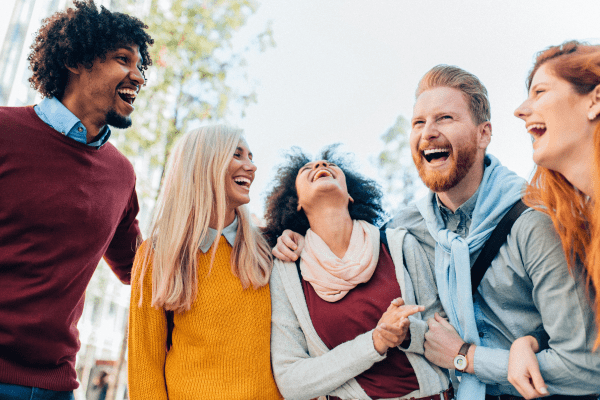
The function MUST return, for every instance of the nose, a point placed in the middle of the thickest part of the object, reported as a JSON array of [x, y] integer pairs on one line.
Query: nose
[[430, 131], [523, 110], [249, 166], [137, 76], [320, 164]]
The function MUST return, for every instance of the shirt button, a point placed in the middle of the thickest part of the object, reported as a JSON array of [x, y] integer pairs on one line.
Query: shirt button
[[80, 129]]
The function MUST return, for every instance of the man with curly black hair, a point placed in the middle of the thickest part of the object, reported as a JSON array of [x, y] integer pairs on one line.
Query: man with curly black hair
[[68, 197]]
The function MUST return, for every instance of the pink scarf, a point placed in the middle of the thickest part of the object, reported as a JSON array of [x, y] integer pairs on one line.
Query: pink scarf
[[332, 277]]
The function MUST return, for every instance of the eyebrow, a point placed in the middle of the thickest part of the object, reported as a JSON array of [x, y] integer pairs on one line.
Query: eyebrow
[[242, 150]]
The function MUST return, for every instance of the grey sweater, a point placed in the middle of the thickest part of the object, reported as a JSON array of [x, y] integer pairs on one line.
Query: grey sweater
[[303, 366]]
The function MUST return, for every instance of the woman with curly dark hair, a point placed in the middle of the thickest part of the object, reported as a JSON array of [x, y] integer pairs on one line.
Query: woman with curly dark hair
[[344, 319]]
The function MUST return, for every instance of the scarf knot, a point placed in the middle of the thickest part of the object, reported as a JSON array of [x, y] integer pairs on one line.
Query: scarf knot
[[499, 189], [332, 277]]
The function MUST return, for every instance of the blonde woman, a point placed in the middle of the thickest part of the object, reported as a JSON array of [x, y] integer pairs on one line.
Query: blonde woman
[[205, 262]]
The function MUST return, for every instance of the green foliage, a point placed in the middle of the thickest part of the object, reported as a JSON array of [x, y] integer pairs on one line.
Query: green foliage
[[197, 75], [397, 170]]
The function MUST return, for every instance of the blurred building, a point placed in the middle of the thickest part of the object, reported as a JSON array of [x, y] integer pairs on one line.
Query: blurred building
[[103, 323]]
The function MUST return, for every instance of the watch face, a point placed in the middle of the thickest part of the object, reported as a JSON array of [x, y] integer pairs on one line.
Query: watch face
[[460, 362]]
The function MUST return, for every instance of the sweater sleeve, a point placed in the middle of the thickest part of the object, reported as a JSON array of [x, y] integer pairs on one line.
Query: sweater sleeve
[[147, 339], [297, 373], [121, 250]]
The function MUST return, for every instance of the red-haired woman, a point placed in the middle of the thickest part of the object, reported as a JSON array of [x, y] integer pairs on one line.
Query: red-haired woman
[[562, 115]]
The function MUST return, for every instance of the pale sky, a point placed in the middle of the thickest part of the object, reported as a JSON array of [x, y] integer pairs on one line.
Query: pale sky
[[343, 70]]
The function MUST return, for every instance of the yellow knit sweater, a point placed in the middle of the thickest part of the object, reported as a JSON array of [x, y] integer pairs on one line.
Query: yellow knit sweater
[[221, 346]]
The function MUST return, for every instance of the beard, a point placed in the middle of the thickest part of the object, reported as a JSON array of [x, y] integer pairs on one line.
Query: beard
[[440, 182], [116, 120]]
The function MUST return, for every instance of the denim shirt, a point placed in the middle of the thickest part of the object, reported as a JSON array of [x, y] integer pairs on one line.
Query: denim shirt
[[527, 290], [61, 119]]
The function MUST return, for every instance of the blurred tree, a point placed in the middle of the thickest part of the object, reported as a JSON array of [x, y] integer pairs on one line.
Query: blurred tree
[[397, 170], [198, 74]]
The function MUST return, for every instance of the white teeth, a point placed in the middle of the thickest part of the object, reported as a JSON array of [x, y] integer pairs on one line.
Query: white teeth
[[431, 151], [241, 179], [321, 174], [129, 92], [535, 126]]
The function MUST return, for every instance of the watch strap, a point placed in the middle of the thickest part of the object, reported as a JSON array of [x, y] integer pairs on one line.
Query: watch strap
[[464, 349]]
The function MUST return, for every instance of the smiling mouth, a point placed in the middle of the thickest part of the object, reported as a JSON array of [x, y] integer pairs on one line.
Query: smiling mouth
[[322, 174], [127, 95], [243, 181], [436, 154], [536, 130]]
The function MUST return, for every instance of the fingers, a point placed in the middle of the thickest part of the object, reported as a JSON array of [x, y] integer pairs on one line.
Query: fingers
[[539, 384], [284, 250], [279, 255], [410, 310], [391, 335], [397, 302], [443, 321], [526, 388], [379, 342]]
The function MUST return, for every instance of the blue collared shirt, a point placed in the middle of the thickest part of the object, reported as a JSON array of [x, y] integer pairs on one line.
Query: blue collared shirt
[[229, 232], [527, 289], [60, 118]]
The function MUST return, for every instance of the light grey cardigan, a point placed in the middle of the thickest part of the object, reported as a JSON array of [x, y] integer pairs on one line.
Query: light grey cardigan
[[303, 366]]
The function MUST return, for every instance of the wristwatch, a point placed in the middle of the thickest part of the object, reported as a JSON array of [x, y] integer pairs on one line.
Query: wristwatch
[[460, 361]]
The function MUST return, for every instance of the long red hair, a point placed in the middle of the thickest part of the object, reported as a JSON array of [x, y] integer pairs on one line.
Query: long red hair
[[575, 216]]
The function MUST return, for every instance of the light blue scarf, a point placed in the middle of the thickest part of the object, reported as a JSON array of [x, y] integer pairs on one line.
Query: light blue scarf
[[500, 188]]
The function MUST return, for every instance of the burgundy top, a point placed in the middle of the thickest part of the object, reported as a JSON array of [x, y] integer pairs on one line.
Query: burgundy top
[[358, 312], [63, 206]]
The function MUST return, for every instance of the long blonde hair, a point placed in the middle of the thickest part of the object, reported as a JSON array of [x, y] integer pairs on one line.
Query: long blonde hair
[[194, 189]]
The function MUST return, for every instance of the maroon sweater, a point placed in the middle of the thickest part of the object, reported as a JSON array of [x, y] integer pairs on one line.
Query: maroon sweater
[[358, 312], [63, 206]]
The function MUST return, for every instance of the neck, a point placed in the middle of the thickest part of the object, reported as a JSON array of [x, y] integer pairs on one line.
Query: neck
[[463, 190], [334, 226], [229, 217], [580, 171], [93, 122]]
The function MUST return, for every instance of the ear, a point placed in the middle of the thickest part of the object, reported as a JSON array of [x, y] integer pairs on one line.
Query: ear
[[299, 208], [485, 135], [594, 108], [74, 70], [351, 199]]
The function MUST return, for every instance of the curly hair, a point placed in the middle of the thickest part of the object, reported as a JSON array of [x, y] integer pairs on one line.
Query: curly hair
[[282, 201], [79, 36]]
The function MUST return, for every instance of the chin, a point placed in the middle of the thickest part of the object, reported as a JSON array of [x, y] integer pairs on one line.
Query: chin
[[117, 120]]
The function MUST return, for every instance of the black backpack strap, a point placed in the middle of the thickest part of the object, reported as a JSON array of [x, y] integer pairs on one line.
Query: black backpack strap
[[298, 268], [170, 325], [493, 244], [383, 238]]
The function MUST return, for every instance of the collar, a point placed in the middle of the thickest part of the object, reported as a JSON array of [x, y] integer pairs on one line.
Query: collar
[[465, 208], [229, 232], [60, 118]]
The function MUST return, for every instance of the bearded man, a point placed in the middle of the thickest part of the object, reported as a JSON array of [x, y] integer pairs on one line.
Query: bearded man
[[68, 197], [526, 291]]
